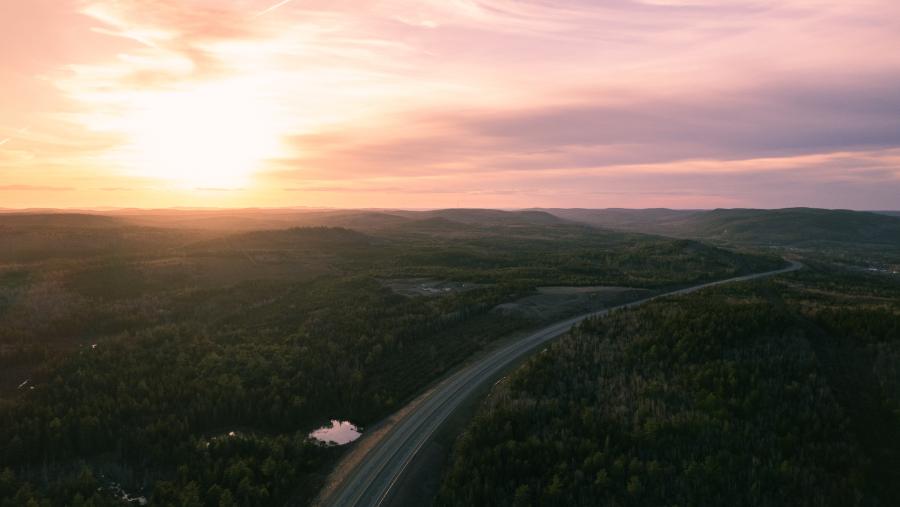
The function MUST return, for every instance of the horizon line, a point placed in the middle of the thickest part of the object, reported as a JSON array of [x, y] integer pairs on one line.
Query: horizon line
[[102, 209]]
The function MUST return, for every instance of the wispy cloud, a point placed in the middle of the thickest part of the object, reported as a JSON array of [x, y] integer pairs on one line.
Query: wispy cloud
[[33, 188], [507, 101]]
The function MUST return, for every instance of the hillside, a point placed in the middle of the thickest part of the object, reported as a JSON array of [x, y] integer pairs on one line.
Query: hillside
[[798, 226], [370, 220], [786, 227], [189, 365], [781, 392], [234, 220], [30, 238], [301, 238], [653, 220], [12, 221], [495, 217]]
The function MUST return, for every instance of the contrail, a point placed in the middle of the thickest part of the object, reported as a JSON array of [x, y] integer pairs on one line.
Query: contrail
[[272, 8]]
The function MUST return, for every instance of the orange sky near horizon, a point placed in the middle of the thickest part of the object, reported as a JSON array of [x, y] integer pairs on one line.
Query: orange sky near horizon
[[450, 103]]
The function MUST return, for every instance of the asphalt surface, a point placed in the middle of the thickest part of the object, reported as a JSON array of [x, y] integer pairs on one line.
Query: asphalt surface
[[374, 477]]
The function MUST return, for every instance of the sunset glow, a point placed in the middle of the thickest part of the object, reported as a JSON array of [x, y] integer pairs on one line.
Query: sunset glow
[[208, 136], [491, 103]]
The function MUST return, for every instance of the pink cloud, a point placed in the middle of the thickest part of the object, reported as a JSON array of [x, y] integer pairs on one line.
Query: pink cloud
[[506, 101]]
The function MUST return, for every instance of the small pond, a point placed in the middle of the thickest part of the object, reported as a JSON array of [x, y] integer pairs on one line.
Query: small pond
[[338, 433]]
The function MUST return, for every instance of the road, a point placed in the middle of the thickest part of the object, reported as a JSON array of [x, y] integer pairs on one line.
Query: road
[[372, 480]]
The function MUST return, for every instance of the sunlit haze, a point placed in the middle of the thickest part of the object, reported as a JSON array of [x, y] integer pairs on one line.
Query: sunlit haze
[[450, 103]]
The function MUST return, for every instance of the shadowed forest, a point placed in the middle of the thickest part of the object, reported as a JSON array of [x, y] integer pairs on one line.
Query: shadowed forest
[[182, 358], [782, 392], [131, 351]]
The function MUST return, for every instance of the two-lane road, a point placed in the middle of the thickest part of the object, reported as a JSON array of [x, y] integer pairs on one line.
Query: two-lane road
[[374, 477]]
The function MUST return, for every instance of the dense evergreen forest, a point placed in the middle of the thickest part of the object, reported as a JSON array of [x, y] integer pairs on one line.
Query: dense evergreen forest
[[778, 392], [189, 366]]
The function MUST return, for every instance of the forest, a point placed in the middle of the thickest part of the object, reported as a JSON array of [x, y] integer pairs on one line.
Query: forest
[[776, 392], [187, 366]]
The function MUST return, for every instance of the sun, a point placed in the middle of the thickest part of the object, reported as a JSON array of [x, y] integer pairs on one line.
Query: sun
[[205, 136]]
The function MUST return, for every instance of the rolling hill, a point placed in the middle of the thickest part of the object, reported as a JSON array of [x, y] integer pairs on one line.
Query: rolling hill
[[785, 227]]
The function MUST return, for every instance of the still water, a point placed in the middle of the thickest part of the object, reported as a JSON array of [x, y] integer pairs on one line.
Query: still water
[[339, 433]]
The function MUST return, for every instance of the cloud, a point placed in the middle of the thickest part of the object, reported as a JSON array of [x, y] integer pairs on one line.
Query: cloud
[[767, 120], [526, 99], [33, 188]]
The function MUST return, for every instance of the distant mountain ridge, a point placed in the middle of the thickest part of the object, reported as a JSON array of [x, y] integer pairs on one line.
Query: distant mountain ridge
[[786, 227], [789, 226]]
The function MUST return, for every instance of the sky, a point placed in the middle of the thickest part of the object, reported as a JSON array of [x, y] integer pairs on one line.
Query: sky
[[450, 103]]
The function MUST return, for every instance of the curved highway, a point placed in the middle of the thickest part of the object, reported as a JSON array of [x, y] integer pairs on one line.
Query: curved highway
[[374, 477]]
